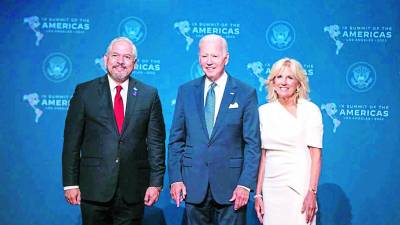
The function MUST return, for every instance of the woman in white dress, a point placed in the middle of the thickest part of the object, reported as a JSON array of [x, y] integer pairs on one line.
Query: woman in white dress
[[291, 137]]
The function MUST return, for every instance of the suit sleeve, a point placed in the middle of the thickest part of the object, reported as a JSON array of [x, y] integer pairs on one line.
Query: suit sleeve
[[177, 141], [156, 143], [251, 138], [73, 136]]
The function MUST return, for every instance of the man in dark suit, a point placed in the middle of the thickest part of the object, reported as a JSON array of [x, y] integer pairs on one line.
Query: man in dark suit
[[214, 145], [114, 143]]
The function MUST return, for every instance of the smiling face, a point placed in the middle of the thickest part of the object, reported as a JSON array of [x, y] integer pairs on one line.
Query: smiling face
[[287, 80], [213, 57], [120, 61], [285, 83]]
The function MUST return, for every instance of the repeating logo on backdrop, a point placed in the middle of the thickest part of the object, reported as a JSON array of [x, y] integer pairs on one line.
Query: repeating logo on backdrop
[[191, 30], [334, 33], [195, 70], [280, 35], [133, 28], [48, 102], [100, 63], [257, 70], [34, 24], [361, 76], [183, 27], [57, 67], [357, 34], [261, 71], [143, 66], [331, 110], [60, 25], [338, 112]]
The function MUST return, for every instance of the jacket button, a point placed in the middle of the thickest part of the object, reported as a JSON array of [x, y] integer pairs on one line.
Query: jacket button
[[117, 160]]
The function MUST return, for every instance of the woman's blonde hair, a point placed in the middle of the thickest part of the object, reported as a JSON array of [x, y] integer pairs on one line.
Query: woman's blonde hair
[[298, 72]]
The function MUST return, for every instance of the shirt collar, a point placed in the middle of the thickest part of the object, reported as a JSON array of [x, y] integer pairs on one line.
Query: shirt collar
[[113, 84], [221, 82]]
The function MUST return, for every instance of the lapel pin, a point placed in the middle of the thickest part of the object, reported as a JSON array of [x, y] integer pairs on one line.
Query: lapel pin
[[134, 92]]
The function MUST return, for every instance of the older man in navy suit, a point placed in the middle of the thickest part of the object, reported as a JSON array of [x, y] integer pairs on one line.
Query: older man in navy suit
[[214, 145]]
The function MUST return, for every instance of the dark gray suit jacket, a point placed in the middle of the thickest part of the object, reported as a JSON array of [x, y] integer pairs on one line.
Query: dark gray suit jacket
[[97, 158]]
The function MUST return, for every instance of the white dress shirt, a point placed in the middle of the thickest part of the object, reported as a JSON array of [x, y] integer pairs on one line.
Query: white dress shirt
[[218, 90], [124, 90]]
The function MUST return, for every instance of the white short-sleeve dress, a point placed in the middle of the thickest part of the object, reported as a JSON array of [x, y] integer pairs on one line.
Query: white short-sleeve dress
[[288, 163]]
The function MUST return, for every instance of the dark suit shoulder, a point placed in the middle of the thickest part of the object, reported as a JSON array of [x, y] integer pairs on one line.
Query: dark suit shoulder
[[143, 86], [242, 84], [192, 83], [92, 83]]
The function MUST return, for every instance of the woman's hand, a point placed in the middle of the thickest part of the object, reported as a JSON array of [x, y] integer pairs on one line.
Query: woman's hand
[[309, 206], [259, 207]]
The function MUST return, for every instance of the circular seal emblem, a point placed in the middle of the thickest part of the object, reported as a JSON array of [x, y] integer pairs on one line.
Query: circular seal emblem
[[361, 76], [57, 67], [195, 70], [280, 35], [133, 28]]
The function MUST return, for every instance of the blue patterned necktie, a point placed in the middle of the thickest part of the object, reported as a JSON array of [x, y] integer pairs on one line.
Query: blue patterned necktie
[[209, 108]]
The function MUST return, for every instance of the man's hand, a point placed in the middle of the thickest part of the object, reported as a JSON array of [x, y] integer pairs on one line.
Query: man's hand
[[178, 192], [73, 196], [240, 196], [151, 196]]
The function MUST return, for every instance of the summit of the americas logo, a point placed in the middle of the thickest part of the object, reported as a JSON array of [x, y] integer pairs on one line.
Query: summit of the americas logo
[[34, 24], [133, 28], [344, 111], [57, 67], [357, 34], [59, 25], [280, 35], [189, 31], [46, 102]]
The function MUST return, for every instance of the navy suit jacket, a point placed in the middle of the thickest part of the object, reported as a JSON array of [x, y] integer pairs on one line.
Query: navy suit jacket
[[230, 157], [99, 159]]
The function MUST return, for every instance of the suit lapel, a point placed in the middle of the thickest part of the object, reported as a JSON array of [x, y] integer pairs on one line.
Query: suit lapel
[[199, 99], [131, 99], [105, 101], [227, 99]]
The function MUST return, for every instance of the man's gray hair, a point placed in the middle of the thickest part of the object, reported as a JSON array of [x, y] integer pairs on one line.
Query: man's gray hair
[[209, 37], [134, 50]]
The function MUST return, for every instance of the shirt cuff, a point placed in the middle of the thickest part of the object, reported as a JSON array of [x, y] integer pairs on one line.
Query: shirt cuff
[[158, 188], [178, 182], [245, 188], [70, 187]]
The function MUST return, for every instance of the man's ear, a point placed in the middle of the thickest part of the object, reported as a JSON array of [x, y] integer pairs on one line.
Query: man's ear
[[226, 59]]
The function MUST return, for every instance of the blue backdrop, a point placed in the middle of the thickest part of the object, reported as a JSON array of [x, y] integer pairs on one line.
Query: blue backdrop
[[350, 50]]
